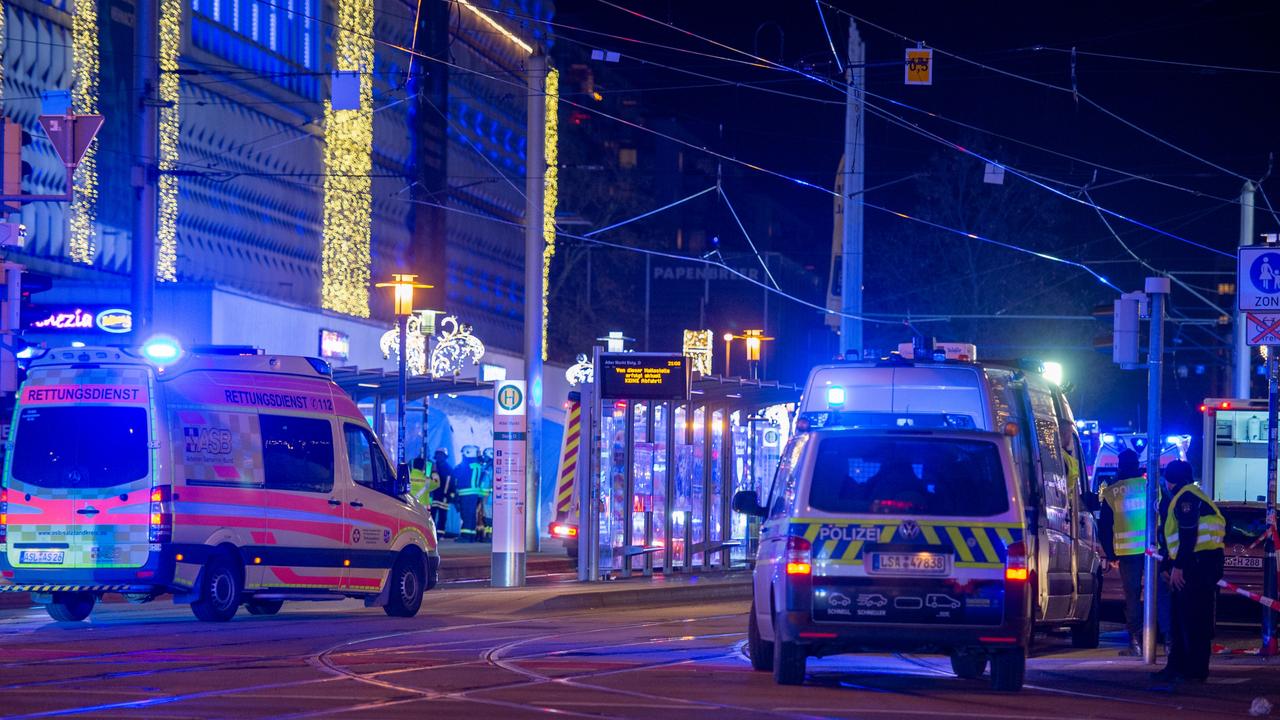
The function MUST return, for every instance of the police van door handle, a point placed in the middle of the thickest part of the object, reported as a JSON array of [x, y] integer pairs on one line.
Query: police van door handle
[[91, 510], [335, 502], [356, 503]]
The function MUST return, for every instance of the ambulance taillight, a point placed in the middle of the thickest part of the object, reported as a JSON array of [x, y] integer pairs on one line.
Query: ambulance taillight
[[4, 515], [161, 529], [564, 530]]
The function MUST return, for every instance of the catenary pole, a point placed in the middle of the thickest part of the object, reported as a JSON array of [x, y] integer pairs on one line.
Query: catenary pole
[[1268, 648], [853, 171], [1157, 289], [1242, 366], [535, 178]]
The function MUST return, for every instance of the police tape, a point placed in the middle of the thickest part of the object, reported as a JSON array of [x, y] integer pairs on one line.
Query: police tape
[[1154, 552], [1266, 602], [1270, 533]]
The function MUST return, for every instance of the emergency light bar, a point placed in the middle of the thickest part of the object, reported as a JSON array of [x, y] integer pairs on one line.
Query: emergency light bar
[[874, 420]]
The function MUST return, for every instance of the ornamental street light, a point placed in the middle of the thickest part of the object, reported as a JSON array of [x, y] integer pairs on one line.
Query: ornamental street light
[[754, 340], [403, 287]]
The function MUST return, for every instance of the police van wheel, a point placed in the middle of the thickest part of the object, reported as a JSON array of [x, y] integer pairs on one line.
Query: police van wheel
[[70, 606], [1086, 634], [788, 661], [219, 591], [1008, 668], [404, 597], [967, 664], [264, 607], [758, 649]]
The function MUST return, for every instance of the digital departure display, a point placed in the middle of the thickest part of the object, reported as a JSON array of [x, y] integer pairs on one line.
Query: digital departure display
[[644, 376]]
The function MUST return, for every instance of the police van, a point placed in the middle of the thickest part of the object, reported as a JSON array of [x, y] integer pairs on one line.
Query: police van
[[224, 479], [924, 506]]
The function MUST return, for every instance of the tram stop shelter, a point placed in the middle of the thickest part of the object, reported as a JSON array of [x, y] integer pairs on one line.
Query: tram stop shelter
[[670, 448]]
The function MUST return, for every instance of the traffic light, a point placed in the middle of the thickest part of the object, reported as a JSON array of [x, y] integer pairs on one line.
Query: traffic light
[[1122, 334], [13, 137]]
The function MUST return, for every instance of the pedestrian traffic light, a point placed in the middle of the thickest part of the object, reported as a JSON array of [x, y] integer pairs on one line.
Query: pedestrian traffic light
[[1125, 328], [13, 137]]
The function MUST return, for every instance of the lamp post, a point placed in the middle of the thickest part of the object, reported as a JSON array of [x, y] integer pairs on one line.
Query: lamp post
[[754, 340], [403, 287], [728, 349]]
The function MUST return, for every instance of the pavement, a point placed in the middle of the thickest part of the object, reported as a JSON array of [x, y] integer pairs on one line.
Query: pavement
[[511, 653]]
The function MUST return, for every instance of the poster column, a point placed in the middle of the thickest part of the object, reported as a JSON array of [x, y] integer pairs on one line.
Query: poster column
[[510, 434]]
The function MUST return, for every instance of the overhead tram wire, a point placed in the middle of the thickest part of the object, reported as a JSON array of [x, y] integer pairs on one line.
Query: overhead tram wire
[[1175, 63], [909, 125], [722, 156], [1073, 91]]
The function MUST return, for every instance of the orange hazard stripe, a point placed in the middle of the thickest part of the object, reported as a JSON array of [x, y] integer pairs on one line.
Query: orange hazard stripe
[[568, 460]]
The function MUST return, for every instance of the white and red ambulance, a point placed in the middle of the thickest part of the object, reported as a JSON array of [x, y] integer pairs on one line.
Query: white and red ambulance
[[224, 479]]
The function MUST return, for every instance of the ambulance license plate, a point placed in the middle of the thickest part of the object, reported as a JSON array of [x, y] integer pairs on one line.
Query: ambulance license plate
[[41, 557], [909, 564], [1243, 561]]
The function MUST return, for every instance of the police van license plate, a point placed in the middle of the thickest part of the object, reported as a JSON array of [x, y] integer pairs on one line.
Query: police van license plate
[[1243, 561], [41, 557], [909, 564]]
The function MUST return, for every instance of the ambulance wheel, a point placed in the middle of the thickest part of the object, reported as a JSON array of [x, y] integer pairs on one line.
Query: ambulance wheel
[[70, 606], [967, 664], [1008, 668], [1086, 634], [758, 649], [264, 607], [404, 597], [219, 591]]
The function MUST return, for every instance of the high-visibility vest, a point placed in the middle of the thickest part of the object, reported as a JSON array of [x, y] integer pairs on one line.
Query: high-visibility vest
[[1212, 532], [419, 486], [1128, 501]]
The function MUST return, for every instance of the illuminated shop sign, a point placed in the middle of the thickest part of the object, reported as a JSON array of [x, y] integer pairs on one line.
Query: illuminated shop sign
[[334, 345], [77, 319]]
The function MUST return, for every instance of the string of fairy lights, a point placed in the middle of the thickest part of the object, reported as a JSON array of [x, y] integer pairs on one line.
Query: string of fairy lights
[[169, 46], [82, 216], [550, 191], [348, 160]]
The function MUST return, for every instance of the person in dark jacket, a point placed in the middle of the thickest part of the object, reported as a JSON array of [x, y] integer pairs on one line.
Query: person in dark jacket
[[1122, 528], [442, 494]]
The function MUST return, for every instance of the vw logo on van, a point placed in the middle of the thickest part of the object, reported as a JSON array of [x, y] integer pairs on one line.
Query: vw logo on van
[[909, 529]]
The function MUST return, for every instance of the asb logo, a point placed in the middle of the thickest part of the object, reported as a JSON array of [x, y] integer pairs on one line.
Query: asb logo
[[510, 398]]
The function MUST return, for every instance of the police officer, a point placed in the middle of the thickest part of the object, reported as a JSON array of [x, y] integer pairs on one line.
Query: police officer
[[1122, 529], [1194, 530], [442, 492]]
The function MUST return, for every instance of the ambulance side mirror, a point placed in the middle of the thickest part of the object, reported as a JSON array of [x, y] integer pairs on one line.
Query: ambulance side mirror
[[747, 502]]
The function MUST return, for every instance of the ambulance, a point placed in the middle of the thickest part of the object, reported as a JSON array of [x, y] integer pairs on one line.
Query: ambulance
[[224, 477], [924, 506]]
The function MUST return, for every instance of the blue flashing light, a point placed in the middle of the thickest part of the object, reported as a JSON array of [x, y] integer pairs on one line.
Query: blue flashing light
[[162, 350], [1173, 439], [1108, 438], [835, 396]]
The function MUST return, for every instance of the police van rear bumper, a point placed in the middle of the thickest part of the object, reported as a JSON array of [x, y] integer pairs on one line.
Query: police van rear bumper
[[823, 638]]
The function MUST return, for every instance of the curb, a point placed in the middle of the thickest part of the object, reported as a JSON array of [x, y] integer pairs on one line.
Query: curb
[[647, 596]]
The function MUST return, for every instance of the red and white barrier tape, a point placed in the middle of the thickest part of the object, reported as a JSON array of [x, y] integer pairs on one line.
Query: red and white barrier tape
[[1264, 601]]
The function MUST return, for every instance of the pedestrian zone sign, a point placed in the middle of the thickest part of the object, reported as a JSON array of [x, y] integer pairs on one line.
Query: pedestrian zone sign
[[1262, 329], [1258, 279]]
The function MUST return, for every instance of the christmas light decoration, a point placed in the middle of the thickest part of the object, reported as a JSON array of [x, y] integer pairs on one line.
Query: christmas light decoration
[[416, 340], [348, 159], [583, 371], [697, 347], [453, 346], [169, 45], [83, 214], [496, 26], [550, 191]]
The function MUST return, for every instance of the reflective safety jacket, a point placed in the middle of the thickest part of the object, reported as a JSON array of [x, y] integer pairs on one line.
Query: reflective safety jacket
[[1192, 510], [421, 485], [1126, 508]]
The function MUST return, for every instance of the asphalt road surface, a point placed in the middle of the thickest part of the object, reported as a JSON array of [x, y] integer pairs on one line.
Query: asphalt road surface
[[479, 654]]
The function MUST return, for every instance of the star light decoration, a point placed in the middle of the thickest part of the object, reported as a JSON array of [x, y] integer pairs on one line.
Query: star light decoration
[[581, 372], [348, 161], [453, 346]]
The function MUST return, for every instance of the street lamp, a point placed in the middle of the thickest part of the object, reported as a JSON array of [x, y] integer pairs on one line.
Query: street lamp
[[728, 349], [754, 340], [403, 287]]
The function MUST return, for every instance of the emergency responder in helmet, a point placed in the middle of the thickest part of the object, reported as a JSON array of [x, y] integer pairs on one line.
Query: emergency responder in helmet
[[1123, 529], [468, 480], [1194, 530], [442, 493]]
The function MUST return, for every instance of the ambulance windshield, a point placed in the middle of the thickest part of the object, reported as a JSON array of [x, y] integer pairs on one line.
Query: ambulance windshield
[[80, 446], [886, 475]]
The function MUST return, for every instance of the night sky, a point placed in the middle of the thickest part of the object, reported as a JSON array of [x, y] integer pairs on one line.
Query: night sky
[[1227, 117]]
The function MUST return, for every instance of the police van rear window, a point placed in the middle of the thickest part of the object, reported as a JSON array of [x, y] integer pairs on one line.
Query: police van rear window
[[80, 446], [888, 475]]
